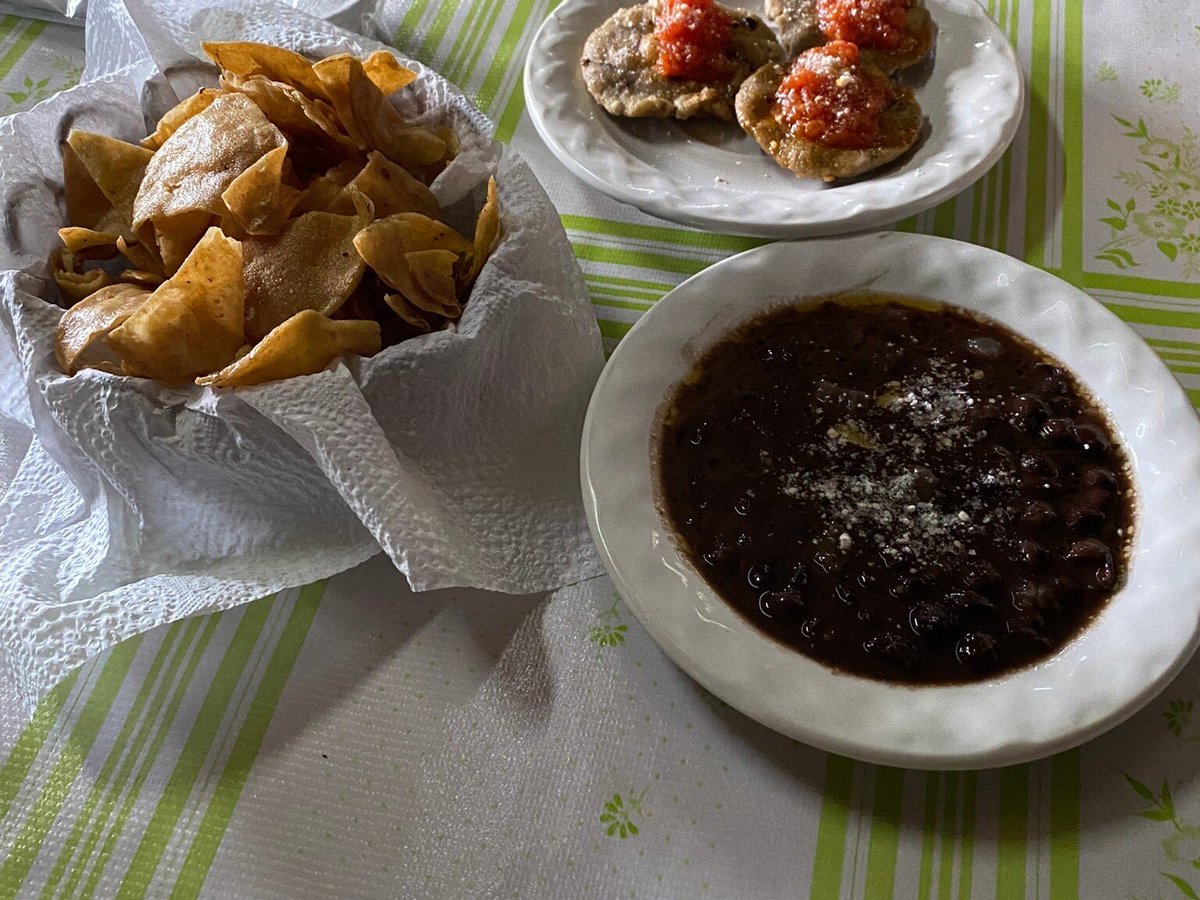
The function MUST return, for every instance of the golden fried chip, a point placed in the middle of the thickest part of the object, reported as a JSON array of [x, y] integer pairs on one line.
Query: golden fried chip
[[422, 322], [371, 120], [117, 169], [78, 285], [141, 256], [86, 243], [294, 112], [258, 200], [387, 73], [487, 231], [88, 322], [246, 59], [432, 272], [324, 190], [141, 277], [390, 188], [202, 158], [177, 235], [318, 244], [192, 324], [178, 114], [86, 203], [304, 344]]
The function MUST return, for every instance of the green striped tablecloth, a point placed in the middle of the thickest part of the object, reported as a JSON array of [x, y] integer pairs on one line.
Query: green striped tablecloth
[[281, 749]]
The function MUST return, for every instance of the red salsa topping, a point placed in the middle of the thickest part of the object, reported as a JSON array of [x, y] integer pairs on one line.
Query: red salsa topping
[[692, 38], [828, 98], [872, 24]]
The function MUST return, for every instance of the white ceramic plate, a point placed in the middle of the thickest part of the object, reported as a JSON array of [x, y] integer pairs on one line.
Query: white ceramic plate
[[711, 175], [1135, 646]]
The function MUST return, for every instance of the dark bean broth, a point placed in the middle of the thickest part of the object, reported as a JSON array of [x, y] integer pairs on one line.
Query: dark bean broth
[[900, 490]]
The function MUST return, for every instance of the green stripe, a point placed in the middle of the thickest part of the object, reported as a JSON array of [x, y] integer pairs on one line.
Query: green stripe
[[114, 757], [613, 330], [1146, 316], [925, 876], [886, 817], [639, 259], [661, 234], [831, 830], [1130, 284], [58, 784], [191, 759], [966, 848], [655, 286], [408, 26], [648, 297], [504, 53], [600, 300], [437, 30], [1184, 370], [1012, 833], [943, 218], [1193, 394], [209, 626], [1182, 345], [1072, 137], [908, 225], [949, 836], [249, 741], [1036, 189], [466, 39], [480, 45], [7, 24], [33, 736], [1065, 779], [13, 56]]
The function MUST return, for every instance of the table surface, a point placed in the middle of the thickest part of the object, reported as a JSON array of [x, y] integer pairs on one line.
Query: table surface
[[281, 749]]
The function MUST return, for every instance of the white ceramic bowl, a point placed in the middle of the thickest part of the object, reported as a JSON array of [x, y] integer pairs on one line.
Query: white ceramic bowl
[[710, 175], [1139, 641]]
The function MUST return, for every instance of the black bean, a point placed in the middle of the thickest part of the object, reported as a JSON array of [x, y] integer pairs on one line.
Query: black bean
[[780, 604], [1035, 595], [812, 627], [979, 575], [758, 575], [1083, 516], [1026, 412], [1038, 513], [1032, 554], [797, 578], [893, 647], [1060, 431], [721, 554], [977, 649], [930, 618], [1098, 477], [1036, 463], [1093, 439], [969, 601], [1088, 550]]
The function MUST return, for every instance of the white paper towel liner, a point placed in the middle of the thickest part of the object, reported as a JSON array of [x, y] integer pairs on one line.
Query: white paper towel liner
[[125, 504]]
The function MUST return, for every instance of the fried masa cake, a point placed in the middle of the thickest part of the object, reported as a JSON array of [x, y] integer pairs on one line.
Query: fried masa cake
[[829, 115], [890, 34], [624, 60]]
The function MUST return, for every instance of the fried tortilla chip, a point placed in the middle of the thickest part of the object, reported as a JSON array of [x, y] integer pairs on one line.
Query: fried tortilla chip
[[86, 243], [487, 232], [141, 277], [318, 244], [78, 285], [422, 322], [295, 113], [432, 272], [192, 324], [304, 344], [324, 190], [387, 73], [258, 199], [202, 158], [178, 114], [390, 188], [117, 169], [84, 326], [175, 236], [142, 256], [371, 120], [246, 59], [86, 203]]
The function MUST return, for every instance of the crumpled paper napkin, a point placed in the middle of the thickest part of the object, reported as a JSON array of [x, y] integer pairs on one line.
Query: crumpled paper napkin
[[125, 504]]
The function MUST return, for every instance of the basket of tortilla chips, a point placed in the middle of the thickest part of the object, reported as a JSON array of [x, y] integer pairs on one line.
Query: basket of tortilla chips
[[273, 301]]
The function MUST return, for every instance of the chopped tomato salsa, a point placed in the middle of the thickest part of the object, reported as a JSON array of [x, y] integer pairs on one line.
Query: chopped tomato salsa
[[872, 24], [828, 98], [692, 38]]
